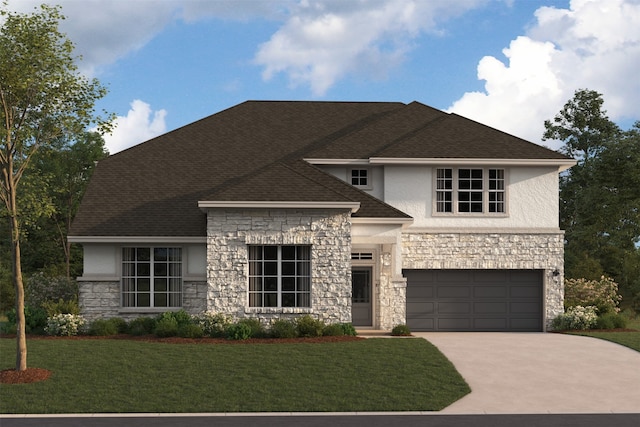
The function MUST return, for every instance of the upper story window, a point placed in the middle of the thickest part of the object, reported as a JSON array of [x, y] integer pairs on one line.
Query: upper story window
[[360, 178], [280, 276], [151, 277], [470, 190]]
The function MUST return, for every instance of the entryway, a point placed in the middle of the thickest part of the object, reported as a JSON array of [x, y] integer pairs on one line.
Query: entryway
[[361, 296]]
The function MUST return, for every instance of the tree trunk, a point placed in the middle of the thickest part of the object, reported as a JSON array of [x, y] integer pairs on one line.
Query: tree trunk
[[21, 338]]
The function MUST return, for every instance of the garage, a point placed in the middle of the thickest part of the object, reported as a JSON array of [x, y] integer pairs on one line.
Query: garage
[[474, 300]]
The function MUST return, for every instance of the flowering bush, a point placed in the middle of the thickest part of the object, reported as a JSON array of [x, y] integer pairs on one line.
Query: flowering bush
[[65, 324], [213, 324], [601, 293], [577, 317]]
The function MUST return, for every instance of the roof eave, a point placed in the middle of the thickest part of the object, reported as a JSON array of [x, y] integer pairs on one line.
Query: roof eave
[[249, 204], [562, 164]]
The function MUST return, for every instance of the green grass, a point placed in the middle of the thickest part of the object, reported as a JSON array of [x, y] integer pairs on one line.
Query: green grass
[[627, 339], [92, 376]]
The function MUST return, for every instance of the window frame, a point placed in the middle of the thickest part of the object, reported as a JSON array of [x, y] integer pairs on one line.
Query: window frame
[[258, 275], [441, 188], [155, 266], [350, 178]]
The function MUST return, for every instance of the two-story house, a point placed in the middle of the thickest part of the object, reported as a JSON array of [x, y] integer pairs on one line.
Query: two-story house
[[371, 213]]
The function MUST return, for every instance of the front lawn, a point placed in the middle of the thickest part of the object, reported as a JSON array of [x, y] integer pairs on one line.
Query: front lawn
[[629, 339], [106, 375]]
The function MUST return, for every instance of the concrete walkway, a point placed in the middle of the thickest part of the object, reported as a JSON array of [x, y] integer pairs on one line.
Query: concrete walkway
[[533, 373]]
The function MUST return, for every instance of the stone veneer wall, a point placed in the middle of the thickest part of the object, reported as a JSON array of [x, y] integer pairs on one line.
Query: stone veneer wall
[[543, 251], [101, 300], [392, 296], [328, 231]]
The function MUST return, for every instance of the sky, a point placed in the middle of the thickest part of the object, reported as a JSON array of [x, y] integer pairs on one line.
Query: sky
[[510, 64]]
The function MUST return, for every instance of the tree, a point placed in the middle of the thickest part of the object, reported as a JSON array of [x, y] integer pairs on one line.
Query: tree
[[43, 98], [600, 202]]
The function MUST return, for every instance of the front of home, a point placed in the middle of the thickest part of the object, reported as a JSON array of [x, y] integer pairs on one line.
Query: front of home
[[372, 213]]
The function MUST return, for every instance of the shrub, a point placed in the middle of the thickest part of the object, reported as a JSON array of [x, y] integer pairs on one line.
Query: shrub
[[401, 331], [166, 326], [182, 317], [103, 327], [190, 330], [61, 307], [40, 289], [307, 326], [333, 330], [603, 294], [257, 329], [213, 324], [238, 331], [635, 303], [283, 328], [35, 319], [348, 329], [611, 321], [65, 324], [142, 326], [576, 318]]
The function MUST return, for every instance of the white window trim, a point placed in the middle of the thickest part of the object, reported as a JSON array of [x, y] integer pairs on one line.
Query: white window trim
[[485, 193], [369, 185]]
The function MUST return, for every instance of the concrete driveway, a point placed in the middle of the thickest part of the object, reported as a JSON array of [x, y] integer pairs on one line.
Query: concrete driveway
[[533, 373]]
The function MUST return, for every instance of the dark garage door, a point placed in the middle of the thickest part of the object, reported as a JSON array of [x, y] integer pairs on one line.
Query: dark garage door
[[474, 300]]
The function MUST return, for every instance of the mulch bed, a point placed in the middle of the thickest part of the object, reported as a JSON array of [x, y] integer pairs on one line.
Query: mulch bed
[[32, 375]]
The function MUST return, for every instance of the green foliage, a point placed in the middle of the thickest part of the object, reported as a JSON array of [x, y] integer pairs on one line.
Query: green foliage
[[400, 331], [349, 329], [213, 324], [602, 293], [238, 331], [142, 326], [611, 320], [103, 327], [40, 289], [333, 330], [61, 307], [166, 327], [7, 290], [635, 304], [283, 328], [307, 326], [576, 318], [35, 319], [257, 329], [190, 330]]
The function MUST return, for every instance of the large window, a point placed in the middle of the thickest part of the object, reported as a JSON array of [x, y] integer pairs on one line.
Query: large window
[[279, 276], [151, 277], [470, 190]]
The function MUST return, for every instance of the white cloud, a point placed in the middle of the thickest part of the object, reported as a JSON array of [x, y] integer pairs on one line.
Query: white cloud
[[139, 125], [323, 41], [595, 44]]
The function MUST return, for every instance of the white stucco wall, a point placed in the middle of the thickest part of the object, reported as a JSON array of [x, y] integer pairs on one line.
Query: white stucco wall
[[532, 199]]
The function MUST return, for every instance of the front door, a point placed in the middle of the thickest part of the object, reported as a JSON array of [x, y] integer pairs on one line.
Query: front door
[[361, 296]]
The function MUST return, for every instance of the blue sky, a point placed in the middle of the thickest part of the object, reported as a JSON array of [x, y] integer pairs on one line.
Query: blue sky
[[508, 63]]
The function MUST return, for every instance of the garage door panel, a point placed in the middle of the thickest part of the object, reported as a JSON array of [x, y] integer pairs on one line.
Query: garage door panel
[[454, 308], [490, 308], [453, 324], [490, 291], [490, 324], [474, 300], [456, 291]]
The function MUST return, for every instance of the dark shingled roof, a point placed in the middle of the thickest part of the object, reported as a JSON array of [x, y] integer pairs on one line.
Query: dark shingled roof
[[253, 152]]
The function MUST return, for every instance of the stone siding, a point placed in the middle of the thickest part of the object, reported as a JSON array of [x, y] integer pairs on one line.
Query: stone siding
[[101, 300], [493, 251], [391, 296], [327, 231]]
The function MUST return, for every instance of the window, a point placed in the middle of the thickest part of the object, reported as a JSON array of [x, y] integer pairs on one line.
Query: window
[[470, 190], [360, 177], [279, 276], [151, 277]]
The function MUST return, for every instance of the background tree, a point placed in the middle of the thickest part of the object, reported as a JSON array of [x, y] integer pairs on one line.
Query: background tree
[[600, 200], [43, 98]]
